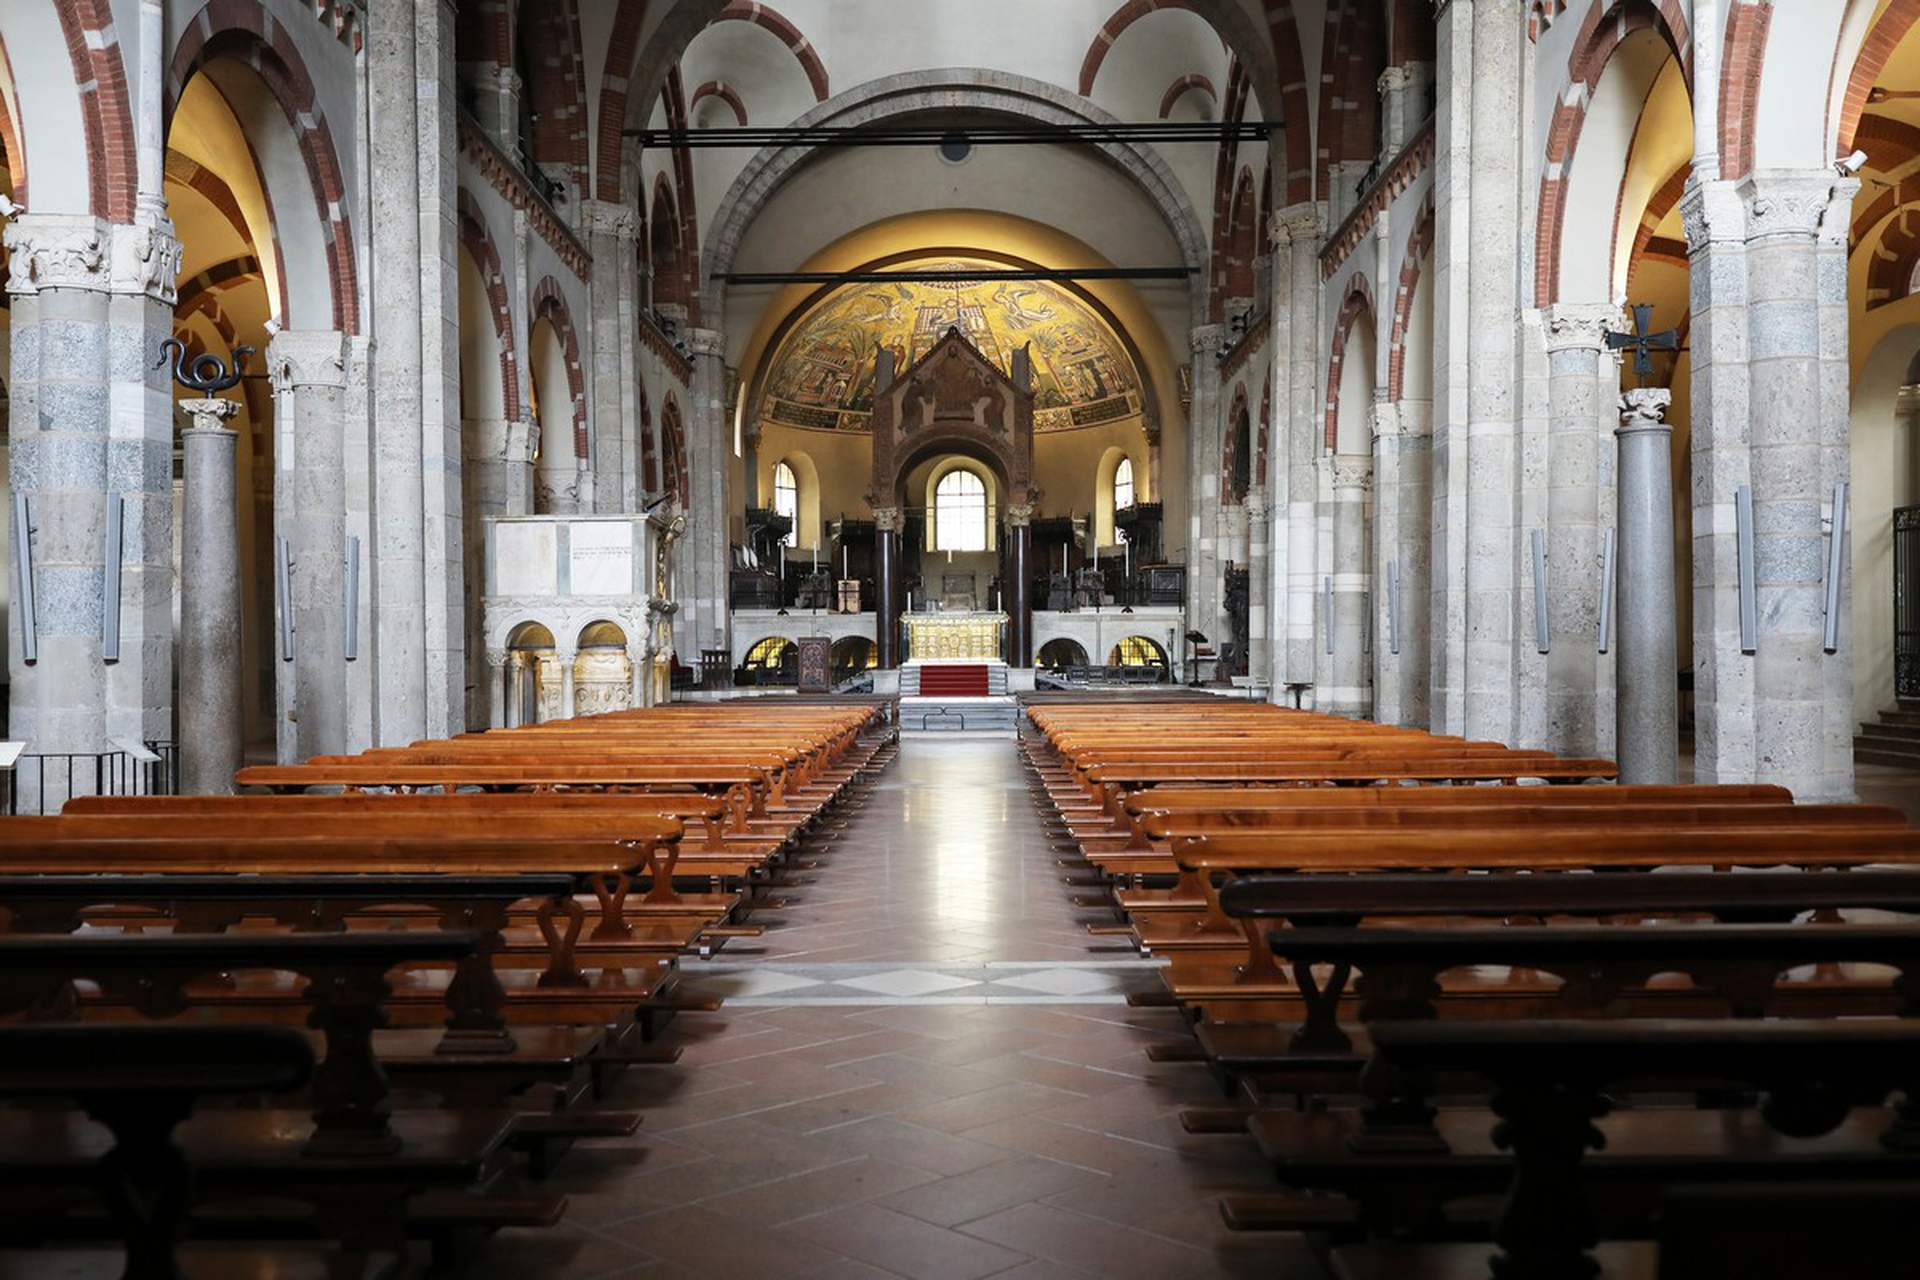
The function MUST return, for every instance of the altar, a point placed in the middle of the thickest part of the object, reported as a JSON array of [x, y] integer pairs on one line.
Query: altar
[[975, 636]]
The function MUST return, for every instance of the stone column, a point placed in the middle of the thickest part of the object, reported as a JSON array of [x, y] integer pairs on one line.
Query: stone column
[[709, 449], [396, 654], [309, 376], [92, 418], [1770, 410], [1453, 233], [1583, 382], [1294, 445], [566, 658], [1647, 730], [499, 685], [447, 656], [611, 231], [1019, 605], [1348, 694], [1402, 505], [210, 736], [886, 587], [1259, 587], [1204, 434], [1403, 104]]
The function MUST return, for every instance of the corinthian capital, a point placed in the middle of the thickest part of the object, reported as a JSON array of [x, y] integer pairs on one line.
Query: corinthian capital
[[307, 358], [1300, 222], [705, 342], [605, 217], [1575, 325], [1642, 409], [1797, 203]]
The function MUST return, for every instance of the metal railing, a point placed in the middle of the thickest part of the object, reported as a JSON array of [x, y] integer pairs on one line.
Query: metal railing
[[1906, 602], [41, 782]]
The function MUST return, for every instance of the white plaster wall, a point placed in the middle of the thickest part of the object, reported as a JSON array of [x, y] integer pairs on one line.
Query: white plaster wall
[[1882, 479], [49, 120]]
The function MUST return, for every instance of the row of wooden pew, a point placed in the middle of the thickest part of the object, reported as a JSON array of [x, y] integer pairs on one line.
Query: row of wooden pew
[[1486, 1012], [478, 933]]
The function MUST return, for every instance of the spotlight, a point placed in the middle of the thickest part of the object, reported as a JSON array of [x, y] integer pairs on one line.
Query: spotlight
[[272, 326], [1850, 165], [10, 208]]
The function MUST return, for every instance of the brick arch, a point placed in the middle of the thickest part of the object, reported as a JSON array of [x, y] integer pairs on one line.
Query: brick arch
[[726, 93], [1606, 27], [1359, 302], [1413, 32], [1663, 202], [1890, 270], [558, 87], [1741, 58], [106, 108], [1239, 241], [1181, 86], [1296, 105], [1884, 37], [1230, 445], [618, 83], [649, 454], [1265, 435], [10, 142], [673, 447], [666, 249], [483, 31], [550, 304], [1352, 57], [768, 19], [232, 29], [1419, 246], [477, 238], [1227, 176]]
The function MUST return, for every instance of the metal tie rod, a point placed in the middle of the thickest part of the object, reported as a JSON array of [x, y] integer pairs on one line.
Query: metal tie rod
[[1164, 131]]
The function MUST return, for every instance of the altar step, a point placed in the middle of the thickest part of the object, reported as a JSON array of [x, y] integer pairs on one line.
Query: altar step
[[991, 714], [953, 680]]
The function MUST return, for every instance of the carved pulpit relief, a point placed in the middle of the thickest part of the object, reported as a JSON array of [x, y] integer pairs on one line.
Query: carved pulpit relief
[[954, 398], [954, 389]]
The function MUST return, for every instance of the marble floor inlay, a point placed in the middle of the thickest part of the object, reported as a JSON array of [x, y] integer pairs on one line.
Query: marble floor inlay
[[887, 983]]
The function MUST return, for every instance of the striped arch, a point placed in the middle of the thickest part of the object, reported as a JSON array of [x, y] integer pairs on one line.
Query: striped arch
[[1296, 105], [477, 238], [1887, 33], [1662, 204], [1419, 246], [558, 93], [767, 19], [1413, 31], [725, 92], [673, 447], [649, 452], [550, 304], [10, 141], [618, 84], [1359, 302], [229, 28], [1181, 87], [483, 32], [1600, 36], [1265, 430], [105, 105], [1354, 53]]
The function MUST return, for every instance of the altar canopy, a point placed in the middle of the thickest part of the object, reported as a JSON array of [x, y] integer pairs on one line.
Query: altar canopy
[[976, 636]]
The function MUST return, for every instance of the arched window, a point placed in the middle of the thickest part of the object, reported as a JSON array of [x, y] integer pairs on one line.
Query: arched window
[[960, 512], [786, 500], [1123, 485]]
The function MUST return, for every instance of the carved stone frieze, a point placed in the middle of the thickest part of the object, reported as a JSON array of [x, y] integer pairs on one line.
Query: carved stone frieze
[[1353, 471], [74, 251], [1797, 203], [705, 342]]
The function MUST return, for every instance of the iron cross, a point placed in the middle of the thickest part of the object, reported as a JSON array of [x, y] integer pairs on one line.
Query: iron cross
[[1642, 343]]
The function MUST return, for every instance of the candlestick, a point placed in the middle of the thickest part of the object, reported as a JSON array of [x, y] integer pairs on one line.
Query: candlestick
[[1126, 562], [843, 563], [909, 602], [1096, 551], [816, 555]]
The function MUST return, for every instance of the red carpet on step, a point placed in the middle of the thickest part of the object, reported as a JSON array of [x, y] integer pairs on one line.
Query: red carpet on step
[[953, 681]]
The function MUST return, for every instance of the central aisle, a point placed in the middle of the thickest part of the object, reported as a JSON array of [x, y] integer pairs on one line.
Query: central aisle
[[925, 1069]]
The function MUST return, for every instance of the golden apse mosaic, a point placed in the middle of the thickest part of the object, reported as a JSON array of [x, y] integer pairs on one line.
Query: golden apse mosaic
[[822, 377]]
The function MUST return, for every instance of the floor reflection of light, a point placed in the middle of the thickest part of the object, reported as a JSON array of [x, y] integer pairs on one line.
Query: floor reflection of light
[[962, 884]]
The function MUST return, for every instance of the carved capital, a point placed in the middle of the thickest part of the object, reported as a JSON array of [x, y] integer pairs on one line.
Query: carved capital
[[705, 342], [606, 218], [1353, 471], [1256, 504], [886, 520], [1712, 213], [307, 358], [1383, 419], [1205, 339], [1575, 325], [209, 414], [56, 251], [1642, 409], [146, 261], [498, 658], [1394, 79], [1302, 222], [1796, 203], [1020, 514]]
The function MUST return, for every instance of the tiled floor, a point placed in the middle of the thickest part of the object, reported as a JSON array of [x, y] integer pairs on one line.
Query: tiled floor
[[925, 1069]]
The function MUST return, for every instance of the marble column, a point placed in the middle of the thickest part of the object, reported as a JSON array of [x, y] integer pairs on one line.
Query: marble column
[[611, 231], [396, 656], [1453, 234], [1348, 693], [1583, 386], [1204, 436], [308, 371], [210, 705], [1402, 504], [1259, 587], [1770, 410], [1647, 729], [1294, 446], [1019, 605], [92, 419], [886, 586], [566, 658], [709, 450]]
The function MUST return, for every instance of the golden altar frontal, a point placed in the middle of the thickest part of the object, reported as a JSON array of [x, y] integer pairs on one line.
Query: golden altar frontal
[[955, 635]]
